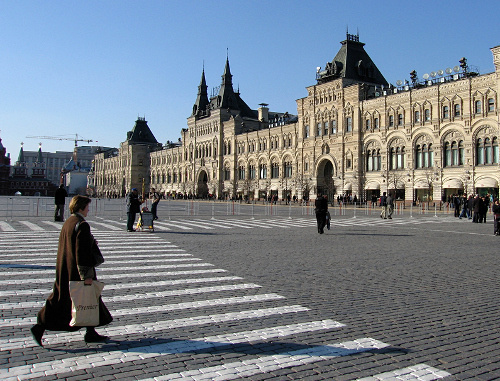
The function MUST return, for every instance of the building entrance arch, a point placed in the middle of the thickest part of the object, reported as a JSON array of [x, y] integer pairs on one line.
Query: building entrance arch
[[202, 185], [326, 179]]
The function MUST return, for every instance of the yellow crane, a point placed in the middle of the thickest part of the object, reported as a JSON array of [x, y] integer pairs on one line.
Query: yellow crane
[[76, 139]]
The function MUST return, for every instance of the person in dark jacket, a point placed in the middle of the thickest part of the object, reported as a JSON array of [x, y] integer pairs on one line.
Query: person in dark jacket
[[470, 207], [75, 262], [484, 208], [133, 207], [476, 207], [59, 201], [321, 208], [495, 209]]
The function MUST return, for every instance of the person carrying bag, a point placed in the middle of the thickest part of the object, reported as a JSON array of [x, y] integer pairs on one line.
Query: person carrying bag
[[77, 257]]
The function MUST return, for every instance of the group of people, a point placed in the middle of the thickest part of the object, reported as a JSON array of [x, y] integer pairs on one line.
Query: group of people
[[474, 208], [134, 206]]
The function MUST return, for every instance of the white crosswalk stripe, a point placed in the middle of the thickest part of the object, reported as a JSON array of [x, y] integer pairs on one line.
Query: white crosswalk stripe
[[154, 287]]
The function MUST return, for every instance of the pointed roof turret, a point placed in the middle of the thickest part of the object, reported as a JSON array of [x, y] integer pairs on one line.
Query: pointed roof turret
[[39, 158], [20, 158], [228, 99], [352, 62], [141, 133], [202, 102]]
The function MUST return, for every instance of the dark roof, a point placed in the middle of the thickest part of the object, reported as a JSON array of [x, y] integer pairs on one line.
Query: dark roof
[[141, 133], [352, 62], [228, 99]]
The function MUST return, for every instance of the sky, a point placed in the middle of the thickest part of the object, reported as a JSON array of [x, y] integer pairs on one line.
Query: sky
[[88, 69]]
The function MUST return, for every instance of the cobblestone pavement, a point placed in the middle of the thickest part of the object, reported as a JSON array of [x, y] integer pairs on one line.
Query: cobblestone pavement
[[267, 298]]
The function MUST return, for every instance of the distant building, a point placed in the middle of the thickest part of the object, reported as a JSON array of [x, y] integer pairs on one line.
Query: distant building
[[33, 182], [56, 161]]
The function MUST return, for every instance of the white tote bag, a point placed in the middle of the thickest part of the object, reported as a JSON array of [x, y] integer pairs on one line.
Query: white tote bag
[[85, 303]]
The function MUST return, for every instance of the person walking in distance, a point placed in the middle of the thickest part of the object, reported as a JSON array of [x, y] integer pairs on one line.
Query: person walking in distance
[[495, 209], [155, 199], [383, 204], [390, 206], [75, 262], [59, 201], [321, 208], [133, 207]]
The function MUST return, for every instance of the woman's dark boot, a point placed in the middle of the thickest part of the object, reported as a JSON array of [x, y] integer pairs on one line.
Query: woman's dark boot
[[93, 337], [37, 332]]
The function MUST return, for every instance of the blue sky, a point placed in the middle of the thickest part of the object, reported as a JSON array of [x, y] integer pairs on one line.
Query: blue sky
[[92, 67]]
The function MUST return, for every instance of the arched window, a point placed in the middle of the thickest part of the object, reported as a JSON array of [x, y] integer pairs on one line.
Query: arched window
[[487, 151], [275, 171], [480, 151], [262, 171], [306, 131], [477, 107], [491, 104], [446, 112], [456, 110]]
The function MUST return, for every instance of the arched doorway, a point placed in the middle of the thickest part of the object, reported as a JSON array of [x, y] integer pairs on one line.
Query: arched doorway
[[202, 185], [326, 182]]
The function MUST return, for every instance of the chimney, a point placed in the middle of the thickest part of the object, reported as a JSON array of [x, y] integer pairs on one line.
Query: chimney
[[263, 112]]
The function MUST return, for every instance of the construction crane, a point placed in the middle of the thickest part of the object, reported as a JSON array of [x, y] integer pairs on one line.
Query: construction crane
[[76, 139]]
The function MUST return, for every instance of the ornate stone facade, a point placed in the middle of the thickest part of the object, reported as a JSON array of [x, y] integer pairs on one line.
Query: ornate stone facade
[[353, 134]]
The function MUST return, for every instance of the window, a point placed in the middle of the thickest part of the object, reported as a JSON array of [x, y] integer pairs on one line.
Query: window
[[417, 116], [454, 153], [487, 151], [391, 120], [227, 174], [288, 169], [491, 104], [456, 110], [377, 125], [446, 112], [306, 131], [348, 124], [400, 119], [333, 126], [427, 115], [275, 171], [374, 160], [262, 171], [397, 159], [251, 172], [477, 107], [241, 173], [325, 125], [318, 130], [368, 124]]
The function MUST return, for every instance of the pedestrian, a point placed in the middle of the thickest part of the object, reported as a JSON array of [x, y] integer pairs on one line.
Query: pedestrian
[[321, 208], [456, 204], [463, 204], [383, 204], [155, 199], [484, 208], [390, 205], [75, 262], [133, 207], [59, 201], [495, 209], [476, 207]]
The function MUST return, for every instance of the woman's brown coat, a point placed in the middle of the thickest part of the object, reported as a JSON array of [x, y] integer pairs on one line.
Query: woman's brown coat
[[73, 255]]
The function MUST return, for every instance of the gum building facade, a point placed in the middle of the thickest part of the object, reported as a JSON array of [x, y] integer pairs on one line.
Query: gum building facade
[[353, 134]]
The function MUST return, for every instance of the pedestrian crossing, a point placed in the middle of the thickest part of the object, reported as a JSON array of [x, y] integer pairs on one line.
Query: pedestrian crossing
[[199, 224], [170, 307]]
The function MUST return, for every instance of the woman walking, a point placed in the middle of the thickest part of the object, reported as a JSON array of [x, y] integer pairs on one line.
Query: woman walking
[[75, 262]]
